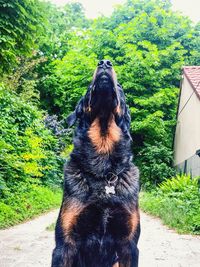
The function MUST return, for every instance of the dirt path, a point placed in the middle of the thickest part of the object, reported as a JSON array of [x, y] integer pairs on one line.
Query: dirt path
[[30, 245], [161, 247]]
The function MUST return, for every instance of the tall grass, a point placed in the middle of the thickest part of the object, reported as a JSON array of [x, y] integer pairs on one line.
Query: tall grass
[[176, 202], [25, 202]]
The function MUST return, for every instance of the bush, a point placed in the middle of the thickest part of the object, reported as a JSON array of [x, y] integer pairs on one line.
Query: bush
[[179, 183], [25, 200], [176, 202], [155, 164], [27, 148], [30, 161], [22, 22]]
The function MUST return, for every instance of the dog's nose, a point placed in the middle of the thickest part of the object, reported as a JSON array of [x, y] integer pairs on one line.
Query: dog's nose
[[106, 64]]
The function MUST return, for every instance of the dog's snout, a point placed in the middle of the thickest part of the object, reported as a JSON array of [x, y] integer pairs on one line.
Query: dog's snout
[[101, 62], [109, 63], [105, 64]]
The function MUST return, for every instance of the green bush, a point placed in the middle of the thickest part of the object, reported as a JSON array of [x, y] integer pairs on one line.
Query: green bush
[[25, 200], [176, 202], [27, 148], [30, 160], [180, 183], [22, 22], [155, 164]]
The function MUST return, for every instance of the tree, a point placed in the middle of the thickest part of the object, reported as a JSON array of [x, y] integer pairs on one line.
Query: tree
[[60, 28], [147, 42], [21, 23]]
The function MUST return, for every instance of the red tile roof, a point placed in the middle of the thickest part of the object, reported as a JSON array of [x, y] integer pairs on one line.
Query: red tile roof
[[193, 75]]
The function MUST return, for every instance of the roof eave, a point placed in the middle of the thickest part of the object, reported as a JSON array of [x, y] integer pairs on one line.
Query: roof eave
[[191, 83]]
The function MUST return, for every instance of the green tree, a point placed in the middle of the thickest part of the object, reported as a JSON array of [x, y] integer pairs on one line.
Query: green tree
[[62, 24], [21, 24], [27, 148], [148, 44], [66, 23]]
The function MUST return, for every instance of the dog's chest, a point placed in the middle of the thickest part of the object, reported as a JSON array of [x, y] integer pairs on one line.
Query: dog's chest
[[103, 219]]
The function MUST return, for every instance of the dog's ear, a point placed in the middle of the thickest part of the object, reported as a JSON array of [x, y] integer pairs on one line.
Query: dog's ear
[[72, 118], [124, 114], [127, 115], [123, 118], [127, 118]]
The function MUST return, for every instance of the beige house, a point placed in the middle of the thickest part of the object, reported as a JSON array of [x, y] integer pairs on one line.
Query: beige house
[[187, 135]]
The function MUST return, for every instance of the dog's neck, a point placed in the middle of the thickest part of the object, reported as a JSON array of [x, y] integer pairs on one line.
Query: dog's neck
[[104, 134], [100, 150]]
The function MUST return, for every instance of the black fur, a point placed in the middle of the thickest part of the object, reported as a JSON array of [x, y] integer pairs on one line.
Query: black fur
[[100, 234]]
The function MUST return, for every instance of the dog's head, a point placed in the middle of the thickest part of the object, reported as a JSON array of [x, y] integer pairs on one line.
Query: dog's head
[[103, 92], [103, 104]]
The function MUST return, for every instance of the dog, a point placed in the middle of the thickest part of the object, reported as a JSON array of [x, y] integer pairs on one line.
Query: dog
[[99, 223]]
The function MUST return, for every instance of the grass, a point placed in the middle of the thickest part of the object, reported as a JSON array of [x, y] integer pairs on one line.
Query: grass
[[178, 213], [25, 202], [51, 227], [177, 202]]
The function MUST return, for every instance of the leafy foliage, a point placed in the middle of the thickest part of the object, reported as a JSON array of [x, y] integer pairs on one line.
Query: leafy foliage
[[28, 149], [177, 202], [69, 81], [60, 28], [48, 55], [156, 164], [149, 44], [21, 22], [180, 183]]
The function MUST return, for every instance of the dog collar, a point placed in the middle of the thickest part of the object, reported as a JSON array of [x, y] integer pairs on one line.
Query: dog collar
[[111, 180]]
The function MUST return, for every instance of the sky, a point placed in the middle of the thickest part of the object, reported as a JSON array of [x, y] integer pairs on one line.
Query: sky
[[94, 8]]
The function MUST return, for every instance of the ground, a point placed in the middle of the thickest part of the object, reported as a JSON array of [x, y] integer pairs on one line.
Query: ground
[[30, 244]]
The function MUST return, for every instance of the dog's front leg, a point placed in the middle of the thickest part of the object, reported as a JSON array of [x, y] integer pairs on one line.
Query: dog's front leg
[[66, 247], [63, 256], [128, 254]]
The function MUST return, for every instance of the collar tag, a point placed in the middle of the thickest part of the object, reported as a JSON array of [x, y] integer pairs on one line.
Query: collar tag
[[110, 189]]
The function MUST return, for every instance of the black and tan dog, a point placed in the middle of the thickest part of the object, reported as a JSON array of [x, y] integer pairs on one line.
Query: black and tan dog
[[98, 223]]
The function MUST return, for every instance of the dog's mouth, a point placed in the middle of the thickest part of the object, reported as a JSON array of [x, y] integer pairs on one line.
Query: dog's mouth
[[104, 81], [103, 84]]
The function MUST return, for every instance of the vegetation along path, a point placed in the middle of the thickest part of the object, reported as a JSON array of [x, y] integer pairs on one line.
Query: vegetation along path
[[30, 244]]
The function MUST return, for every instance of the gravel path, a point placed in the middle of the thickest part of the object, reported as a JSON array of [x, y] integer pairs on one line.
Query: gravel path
[[161, 247], [30, 245]]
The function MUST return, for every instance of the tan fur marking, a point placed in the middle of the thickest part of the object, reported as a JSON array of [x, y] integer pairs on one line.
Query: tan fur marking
[[104, 143], [69, 214], [114, 77], [94, 75], [118, 110], [134, 220], [116, 264]]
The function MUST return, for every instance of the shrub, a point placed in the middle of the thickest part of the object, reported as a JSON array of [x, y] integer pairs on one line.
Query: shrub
[[179, 183], [27, 148], [25, 200], [177, 202], [155, 164]]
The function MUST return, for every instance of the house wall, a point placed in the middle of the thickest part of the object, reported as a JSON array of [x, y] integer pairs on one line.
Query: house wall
[[187, 136], [190, 166]]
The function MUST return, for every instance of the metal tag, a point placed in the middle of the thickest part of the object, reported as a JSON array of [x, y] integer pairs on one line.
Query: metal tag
[[110, 190]]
